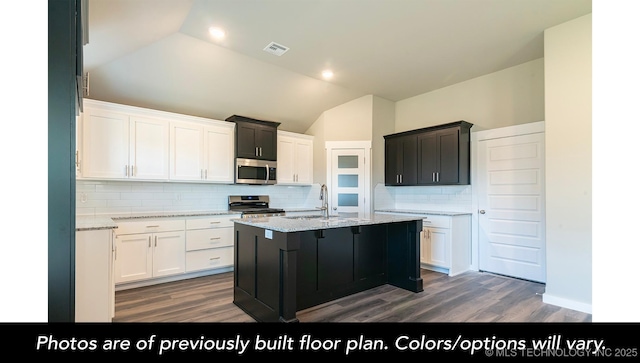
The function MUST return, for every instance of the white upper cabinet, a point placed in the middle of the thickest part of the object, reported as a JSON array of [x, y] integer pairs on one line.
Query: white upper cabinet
[[105, 144], [295, 158], [202, 151], [125, 142], [148, 148], [120, 144]]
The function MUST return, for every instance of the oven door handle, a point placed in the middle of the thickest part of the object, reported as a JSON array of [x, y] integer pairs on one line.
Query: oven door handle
[[266, 181]]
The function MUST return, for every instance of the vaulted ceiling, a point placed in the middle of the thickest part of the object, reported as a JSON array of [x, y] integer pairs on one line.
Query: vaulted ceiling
[[159, 53]]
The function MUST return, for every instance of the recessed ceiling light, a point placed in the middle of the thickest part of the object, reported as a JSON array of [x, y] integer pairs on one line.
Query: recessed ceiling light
[[327, 74], [216, 32]]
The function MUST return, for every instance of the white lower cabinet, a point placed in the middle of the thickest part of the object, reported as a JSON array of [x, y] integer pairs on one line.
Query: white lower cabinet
[[149, 248], [209, 243], [94, 285], [445, 243]]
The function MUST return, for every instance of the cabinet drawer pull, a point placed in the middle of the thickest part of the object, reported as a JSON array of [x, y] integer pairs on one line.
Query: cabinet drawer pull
[[216, 222], [214, 238], [214, 258], [153, 226]]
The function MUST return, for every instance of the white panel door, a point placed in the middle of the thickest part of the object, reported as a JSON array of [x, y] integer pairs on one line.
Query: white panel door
[[511, 206]]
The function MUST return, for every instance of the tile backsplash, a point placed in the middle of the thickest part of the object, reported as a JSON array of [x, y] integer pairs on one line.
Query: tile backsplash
[[128, 197], [444, 198]]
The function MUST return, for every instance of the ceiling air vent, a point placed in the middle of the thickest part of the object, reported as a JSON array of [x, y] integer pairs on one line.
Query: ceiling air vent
[[275, 48]]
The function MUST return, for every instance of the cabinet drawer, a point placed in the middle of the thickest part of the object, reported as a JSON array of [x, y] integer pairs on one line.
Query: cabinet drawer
[[209, 258], [199, 239], [211, 222], [436, 221], [149, 226]]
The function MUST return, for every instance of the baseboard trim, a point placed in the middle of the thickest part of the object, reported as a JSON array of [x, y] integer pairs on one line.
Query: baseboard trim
[[567, 303], [189, 275]]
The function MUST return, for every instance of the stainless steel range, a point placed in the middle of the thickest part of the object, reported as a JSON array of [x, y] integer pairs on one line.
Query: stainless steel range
[[253, 206]]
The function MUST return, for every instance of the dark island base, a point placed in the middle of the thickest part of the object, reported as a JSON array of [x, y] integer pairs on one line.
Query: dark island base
[[278, 276]]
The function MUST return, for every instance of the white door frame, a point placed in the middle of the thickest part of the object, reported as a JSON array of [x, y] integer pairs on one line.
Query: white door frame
[[366, 145], [508, 131]]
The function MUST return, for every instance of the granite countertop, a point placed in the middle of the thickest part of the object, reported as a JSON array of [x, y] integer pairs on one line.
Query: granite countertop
[[423, 212], [84, 223], [298, 224], [89, 223]]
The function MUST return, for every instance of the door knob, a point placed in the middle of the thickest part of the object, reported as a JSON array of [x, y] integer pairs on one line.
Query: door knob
[[481, 211]]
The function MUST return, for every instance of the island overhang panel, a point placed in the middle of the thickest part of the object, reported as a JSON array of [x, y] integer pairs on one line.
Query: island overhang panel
[[280, 272]]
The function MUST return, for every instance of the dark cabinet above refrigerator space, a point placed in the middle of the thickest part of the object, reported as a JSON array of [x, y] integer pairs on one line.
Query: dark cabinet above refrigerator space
[[436, 155]]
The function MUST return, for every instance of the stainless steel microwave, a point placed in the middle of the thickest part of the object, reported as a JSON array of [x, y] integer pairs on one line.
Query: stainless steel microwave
[[253, 171]]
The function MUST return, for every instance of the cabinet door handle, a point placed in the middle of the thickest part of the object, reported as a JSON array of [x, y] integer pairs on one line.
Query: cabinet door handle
[[256, 151], [131, 170], [205, 174], [428, 234], [400, 178], [438, 177], [156, 242], [397, 179], [149, 241], [126, 170], [201, 174], [433, 177], [260, 151]]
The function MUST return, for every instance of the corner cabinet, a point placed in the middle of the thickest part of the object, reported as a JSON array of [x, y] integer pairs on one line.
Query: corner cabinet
[[295, 159], [94, 285], [437, 155], [255, 139]]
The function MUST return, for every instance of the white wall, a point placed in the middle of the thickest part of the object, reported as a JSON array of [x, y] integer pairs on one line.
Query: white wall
[[567, 49], [383, 123], [351, 121], [508, 97]]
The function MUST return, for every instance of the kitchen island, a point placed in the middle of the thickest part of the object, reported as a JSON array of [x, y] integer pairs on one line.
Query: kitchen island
[[287, 264]]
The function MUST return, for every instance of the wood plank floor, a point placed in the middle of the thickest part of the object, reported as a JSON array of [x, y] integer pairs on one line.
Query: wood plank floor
[[469, 297]]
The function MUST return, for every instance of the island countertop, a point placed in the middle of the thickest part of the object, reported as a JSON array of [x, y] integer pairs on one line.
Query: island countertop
[[309, 223]]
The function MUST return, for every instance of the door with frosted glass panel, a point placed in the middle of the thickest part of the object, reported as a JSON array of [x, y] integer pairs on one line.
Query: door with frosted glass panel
[[347, 182]]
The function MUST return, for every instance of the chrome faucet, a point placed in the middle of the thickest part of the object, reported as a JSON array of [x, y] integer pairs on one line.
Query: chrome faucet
[[324, 197]]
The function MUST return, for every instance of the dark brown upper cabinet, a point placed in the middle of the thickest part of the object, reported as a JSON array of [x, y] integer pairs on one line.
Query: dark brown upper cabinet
[[255, 139], [401, 160], [441, 155]]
